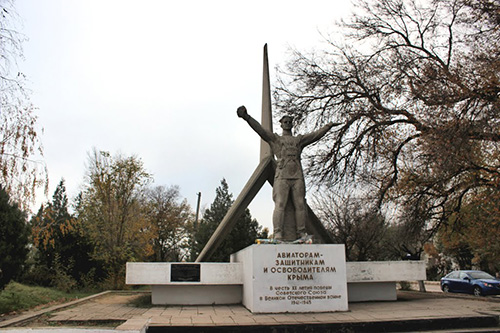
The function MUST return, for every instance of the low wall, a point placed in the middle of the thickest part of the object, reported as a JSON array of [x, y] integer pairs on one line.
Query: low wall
[[221, 283], [376, 280]]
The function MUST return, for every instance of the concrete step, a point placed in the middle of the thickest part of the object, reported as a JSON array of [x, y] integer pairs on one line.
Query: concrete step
[[485, 323]]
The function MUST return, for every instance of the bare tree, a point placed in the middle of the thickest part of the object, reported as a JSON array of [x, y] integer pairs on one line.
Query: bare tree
[[21, 170], [416, 85], [355, 224], [169, 218]]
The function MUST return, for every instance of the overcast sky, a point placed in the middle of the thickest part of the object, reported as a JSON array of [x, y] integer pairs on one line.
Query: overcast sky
[[161, 80]]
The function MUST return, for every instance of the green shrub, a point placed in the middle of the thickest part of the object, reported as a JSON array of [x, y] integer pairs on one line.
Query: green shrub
[[39, 275], [62, 280], [89, 282]]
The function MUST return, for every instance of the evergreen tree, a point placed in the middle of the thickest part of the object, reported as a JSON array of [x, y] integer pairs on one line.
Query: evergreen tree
[[62, 252], [13, 239], [243, 234]]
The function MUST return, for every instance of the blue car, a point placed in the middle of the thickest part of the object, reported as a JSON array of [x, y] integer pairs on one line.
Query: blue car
[[478, 283]]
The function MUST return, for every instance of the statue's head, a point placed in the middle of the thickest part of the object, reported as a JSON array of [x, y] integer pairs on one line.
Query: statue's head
[[286, 122]]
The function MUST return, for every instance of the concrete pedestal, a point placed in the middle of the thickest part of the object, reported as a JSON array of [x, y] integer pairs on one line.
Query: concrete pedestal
[[293, 278]]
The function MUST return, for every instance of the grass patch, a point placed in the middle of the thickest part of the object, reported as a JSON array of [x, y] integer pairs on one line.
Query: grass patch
[[17, 297], [143, 301]]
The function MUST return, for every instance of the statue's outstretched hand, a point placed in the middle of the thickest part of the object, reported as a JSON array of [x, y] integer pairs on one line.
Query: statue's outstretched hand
[[242, 112]]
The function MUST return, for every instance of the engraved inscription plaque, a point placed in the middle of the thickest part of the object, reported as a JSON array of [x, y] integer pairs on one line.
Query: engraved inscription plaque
[[294, 278], [185, 273]]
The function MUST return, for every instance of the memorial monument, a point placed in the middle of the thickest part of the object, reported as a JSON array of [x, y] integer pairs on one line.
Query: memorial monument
[[285, 277], [282, 276]]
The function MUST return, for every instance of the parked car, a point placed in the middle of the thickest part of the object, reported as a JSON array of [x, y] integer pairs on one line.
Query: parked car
[[471, 282]]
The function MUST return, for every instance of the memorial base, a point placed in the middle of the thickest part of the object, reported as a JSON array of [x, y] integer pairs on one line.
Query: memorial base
[[275, 272], [293, 278], [196, 294]]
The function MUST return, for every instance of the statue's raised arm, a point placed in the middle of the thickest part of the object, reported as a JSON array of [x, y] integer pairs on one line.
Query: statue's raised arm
[[266, 135]]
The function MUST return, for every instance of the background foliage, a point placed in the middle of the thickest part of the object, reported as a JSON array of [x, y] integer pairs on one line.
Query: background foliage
[[243, 234], [13, 239], [416, 85]]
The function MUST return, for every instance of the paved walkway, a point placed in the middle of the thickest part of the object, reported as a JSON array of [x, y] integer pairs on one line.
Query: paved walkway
[[124, 310]]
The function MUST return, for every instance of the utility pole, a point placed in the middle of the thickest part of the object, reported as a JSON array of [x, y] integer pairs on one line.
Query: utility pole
[[197, 211]]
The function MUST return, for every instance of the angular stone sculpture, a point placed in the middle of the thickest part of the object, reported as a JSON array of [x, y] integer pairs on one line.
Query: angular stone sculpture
[[265, 172]]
